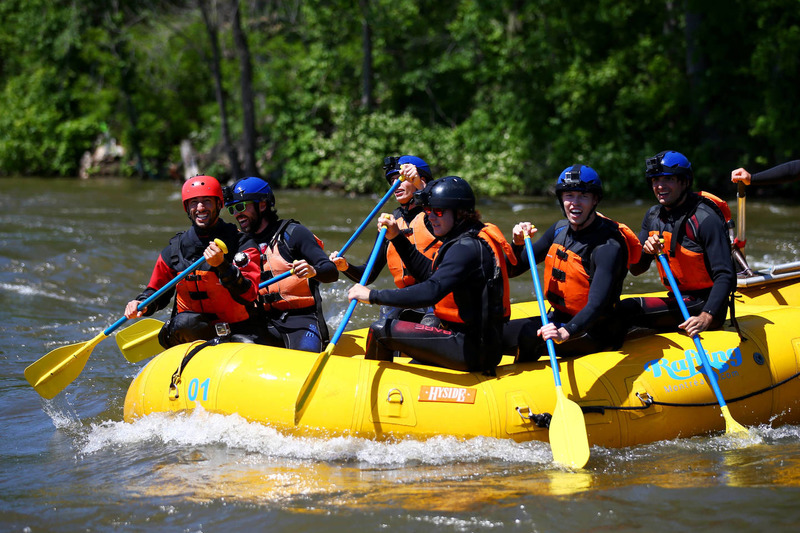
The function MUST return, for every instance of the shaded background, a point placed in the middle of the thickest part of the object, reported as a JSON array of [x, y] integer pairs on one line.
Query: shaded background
[[315, 93]]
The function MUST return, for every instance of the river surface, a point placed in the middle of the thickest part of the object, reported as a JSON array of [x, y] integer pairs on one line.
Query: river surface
[[72, 253]]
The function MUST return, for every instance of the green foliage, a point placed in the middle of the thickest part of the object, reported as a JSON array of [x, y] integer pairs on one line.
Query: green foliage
[[501, 92]]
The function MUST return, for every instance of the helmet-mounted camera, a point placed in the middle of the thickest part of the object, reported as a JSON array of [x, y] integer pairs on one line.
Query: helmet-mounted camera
[[423, 197], [391, 166], [572, 177]]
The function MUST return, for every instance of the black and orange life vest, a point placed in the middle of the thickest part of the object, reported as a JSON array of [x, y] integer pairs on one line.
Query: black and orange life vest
[[421, 237], [688, 266], [201, 291], [447, 310], [289, 293], [567, 272]]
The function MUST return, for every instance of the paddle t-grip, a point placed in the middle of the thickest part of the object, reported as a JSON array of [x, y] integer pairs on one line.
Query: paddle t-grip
[[221, 245]]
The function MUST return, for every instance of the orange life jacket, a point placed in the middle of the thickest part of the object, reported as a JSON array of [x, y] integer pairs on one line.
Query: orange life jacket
[[289, 293], [447, 310], [566, 280], [689, 267], [419, 235], [202, 292]]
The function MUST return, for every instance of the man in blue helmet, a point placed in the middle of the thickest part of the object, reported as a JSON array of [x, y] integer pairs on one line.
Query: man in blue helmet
[[411, 220], [292, 306], [698, 249], [586, 256]]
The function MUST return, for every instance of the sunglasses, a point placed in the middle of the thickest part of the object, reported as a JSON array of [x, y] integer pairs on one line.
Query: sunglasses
[[436, 211], [238, 207]]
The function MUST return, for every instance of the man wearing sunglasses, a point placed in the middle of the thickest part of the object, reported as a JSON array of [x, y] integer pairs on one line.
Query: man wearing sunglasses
[[585, 262], [466, 282], [292, 307], [221, 294], [411, 220]]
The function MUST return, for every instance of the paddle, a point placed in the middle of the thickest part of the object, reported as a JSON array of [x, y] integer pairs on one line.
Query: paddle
[[568, 439], [53, 372], [372, 213], [731, 425], [140, 341], [310, 383]]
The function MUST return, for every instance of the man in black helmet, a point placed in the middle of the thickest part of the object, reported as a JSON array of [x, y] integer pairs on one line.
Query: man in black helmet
[[698, 249], [466, 282], [586, 257]]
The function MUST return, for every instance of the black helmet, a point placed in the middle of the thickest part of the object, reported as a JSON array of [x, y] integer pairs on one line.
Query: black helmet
[[450, 192], [579, 178]]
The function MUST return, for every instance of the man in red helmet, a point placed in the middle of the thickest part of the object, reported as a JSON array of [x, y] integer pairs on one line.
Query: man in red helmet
[[223, 290]]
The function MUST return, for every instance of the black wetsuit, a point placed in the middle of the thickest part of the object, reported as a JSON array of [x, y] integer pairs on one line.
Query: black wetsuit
[[780, 174], [704, 232], [355, 272], [596, 326], [305, 328], [464, 265]]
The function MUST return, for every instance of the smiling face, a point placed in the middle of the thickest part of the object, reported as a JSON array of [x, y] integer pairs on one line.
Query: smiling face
[[669, 190], [203, 211], [579, 208], [251, 220]]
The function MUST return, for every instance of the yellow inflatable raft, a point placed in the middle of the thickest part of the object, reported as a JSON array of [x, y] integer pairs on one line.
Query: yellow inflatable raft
[[652, 389]]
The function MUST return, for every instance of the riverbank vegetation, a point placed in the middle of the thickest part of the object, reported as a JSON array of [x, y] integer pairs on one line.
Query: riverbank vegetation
[[314, 93]]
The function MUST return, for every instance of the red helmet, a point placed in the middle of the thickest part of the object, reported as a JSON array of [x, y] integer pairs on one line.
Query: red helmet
[[201, 186]]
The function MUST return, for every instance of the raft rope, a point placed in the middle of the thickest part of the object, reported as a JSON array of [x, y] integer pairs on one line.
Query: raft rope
[[542, 420], [648, 400], [176, 377]]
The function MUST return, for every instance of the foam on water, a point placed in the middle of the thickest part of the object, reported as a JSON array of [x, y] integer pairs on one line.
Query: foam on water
[[200, 428]]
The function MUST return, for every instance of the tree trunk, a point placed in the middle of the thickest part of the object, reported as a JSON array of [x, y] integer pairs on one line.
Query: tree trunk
[[366, 64], [216, 73], [248, 107]]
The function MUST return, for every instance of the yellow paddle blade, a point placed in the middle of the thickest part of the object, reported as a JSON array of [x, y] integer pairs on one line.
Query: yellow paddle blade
[[53, 372], [731, 425], [568, 439], [140, 341], [311, 383]]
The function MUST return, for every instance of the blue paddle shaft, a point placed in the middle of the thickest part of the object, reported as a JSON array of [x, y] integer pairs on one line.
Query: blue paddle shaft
[[156, 294], [276, 279], [537, 287], [364, 277], [372, 213], [712, 378]]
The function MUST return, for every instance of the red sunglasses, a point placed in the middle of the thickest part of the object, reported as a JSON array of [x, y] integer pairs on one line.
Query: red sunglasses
[[437, 211]]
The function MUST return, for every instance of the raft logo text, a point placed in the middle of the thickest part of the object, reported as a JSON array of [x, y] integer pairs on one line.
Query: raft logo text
[[432, 393], [687, 368]]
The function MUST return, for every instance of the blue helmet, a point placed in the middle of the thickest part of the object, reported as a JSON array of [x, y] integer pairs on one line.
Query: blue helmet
[[668, 163], [250, 189], [391, 165], [579, 178]]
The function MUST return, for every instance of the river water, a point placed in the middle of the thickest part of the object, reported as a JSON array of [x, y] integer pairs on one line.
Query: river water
[[72, 253]]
